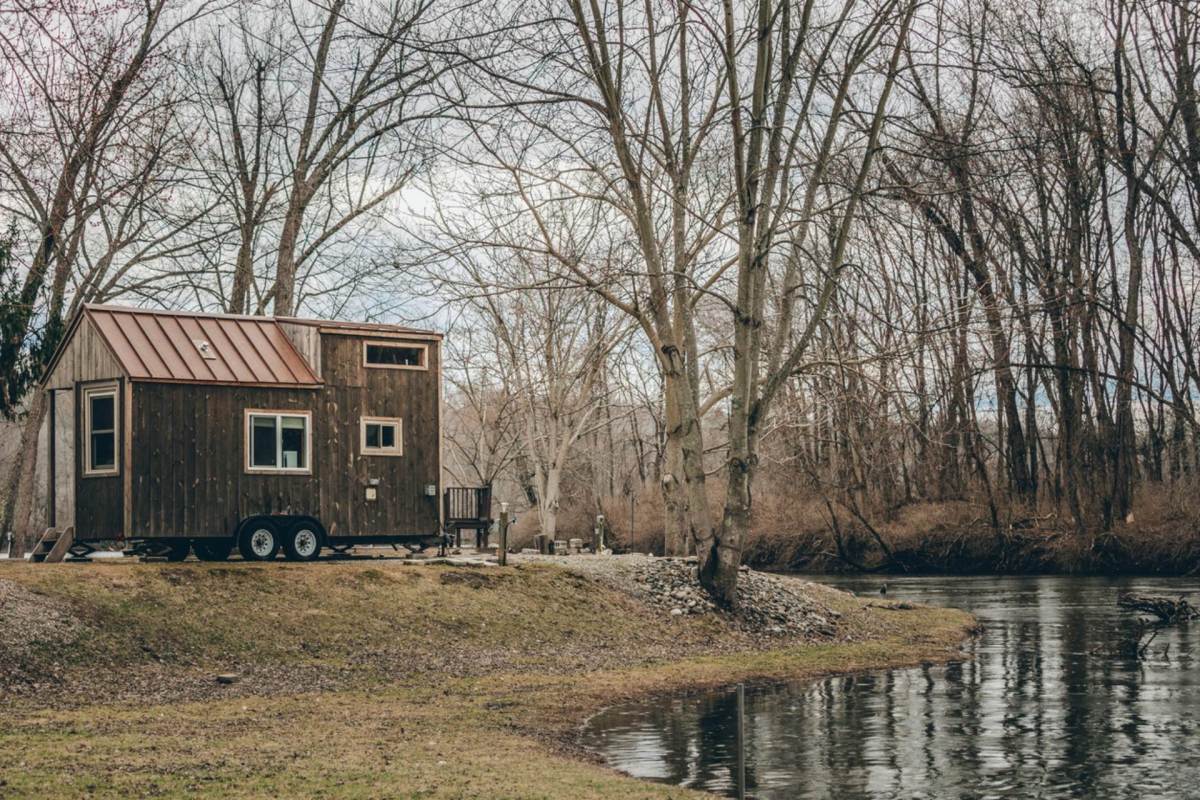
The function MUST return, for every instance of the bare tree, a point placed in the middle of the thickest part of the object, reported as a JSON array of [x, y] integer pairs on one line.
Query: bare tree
[[81, 162], [366, 85]]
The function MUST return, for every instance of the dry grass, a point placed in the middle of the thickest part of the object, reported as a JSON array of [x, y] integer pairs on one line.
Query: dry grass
[[361, 680]]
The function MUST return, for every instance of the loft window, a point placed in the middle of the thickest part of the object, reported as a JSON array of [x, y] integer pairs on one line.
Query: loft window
[[381, 436], [394, 356], [277, 442], [100, 425]]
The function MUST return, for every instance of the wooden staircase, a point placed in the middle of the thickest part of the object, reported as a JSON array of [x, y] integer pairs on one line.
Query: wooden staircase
[[53, 546]]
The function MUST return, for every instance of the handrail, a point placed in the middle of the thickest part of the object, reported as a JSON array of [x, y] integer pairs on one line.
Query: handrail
[[468, 504]]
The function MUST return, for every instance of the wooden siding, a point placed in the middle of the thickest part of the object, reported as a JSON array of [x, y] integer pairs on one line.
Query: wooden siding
[[353, 391], [307, 341], [62, 490], [99, 506], [188, 475], [85, 357], [95, 505], [188, 460]]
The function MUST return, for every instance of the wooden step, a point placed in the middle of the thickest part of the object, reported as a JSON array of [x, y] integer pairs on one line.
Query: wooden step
[[62, 544], [52, 546]]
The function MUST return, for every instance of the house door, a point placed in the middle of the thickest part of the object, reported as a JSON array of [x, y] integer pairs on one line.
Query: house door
[[63, 480]]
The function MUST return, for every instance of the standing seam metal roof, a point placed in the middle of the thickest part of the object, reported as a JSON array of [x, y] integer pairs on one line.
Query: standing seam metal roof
[[165, 346]]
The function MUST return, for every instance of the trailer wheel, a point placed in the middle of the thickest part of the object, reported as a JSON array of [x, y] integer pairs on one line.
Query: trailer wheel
[[177, 551], [218, 550], [303, 542], [259, 541]]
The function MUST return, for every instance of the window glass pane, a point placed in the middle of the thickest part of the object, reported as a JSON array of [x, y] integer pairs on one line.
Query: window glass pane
[[262, 442], [103, 451], [293, 442], [102, 412], [392, 355], [388, 435], [373, 434]]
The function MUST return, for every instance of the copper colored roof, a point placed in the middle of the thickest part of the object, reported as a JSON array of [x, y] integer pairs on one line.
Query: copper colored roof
[[200, 348]]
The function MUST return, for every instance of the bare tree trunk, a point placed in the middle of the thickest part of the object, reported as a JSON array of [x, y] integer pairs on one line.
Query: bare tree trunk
[[18, 508], [285, 271], [675, 539], [243, 274]]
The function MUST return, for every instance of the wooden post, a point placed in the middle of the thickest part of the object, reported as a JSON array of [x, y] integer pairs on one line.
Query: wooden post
[[598, 543], [741, 741], [502, 551]]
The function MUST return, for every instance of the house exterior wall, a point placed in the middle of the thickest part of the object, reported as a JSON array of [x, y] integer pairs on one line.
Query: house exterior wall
[[85, 357], [188, 475], [99, 499], [94, 505], [353, 391]]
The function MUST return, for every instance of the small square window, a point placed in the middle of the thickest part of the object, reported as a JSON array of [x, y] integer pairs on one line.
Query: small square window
[[381, 436]]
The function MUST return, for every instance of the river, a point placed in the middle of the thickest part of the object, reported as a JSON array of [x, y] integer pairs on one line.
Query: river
[[1047, 706]]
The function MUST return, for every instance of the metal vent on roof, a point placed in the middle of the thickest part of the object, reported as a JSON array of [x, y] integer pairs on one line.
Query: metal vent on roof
[[205, 349]]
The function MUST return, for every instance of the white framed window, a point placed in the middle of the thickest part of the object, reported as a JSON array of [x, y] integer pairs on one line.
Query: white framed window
[[395, 355], [278, 441], [101, 422], [382, 436]]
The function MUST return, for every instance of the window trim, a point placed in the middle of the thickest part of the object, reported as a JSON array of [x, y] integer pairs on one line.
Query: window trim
[[102, 390], [424, 348], [396, 450], [278, 414]]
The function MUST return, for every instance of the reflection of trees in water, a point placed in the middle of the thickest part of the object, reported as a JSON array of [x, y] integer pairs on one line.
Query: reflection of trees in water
[[1043, 709]]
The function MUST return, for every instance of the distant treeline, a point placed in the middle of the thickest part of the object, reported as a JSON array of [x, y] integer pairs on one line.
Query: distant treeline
[[735, 259]]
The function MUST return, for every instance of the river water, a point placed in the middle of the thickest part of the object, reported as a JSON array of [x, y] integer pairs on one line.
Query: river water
[[1047, 706]]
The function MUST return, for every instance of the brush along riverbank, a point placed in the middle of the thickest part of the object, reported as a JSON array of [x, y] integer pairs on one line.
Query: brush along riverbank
[[376, 678]]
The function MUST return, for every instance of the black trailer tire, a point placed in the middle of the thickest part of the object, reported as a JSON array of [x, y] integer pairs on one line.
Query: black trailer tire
[[216, 550], [259, 540], [178, 550], [302, 541]]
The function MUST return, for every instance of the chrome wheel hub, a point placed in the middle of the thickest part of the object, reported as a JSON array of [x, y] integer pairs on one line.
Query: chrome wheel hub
[[305, 543], [262, 542]]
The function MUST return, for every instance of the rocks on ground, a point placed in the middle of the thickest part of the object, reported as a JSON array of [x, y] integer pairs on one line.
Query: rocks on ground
[[767, 604]]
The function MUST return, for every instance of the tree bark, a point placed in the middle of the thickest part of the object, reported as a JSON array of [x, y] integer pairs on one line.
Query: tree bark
[[18, 509]]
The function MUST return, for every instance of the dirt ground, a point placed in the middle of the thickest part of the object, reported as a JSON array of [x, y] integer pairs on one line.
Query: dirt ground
[[373, 678]]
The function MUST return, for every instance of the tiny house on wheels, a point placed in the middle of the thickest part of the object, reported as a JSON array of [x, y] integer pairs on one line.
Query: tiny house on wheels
[[177, 432]]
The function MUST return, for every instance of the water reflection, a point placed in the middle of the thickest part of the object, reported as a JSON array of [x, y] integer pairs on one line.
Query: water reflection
[[1047, 707]]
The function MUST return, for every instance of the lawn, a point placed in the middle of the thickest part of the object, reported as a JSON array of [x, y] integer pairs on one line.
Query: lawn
[[372, 679]]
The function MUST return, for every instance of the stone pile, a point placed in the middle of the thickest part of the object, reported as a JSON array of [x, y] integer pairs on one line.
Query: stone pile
[[767, 604]]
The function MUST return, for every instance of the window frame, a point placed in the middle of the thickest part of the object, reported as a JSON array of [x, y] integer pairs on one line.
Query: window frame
[[102, 390], [423, 364], [278, 414], [396, 450]]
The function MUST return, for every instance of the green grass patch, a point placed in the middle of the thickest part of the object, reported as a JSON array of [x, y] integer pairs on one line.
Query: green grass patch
[[377, 681]]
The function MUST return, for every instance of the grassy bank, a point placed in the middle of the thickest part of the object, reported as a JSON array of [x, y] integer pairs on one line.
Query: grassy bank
[[367, 679]]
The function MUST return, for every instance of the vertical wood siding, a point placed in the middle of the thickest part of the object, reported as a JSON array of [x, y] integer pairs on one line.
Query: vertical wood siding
[[188, 475], [85, 357], [188, 460], [307, 341], [353, 391], [99, 506]]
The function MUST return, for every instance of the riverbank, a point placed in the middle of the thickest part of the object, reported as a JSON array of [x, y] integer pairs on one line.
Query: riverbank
[[375, 678], [957, 538]]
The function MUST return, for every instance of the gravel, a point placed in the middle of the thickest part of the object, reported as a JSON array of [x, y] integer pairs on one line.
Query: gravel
[[768, 605]]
